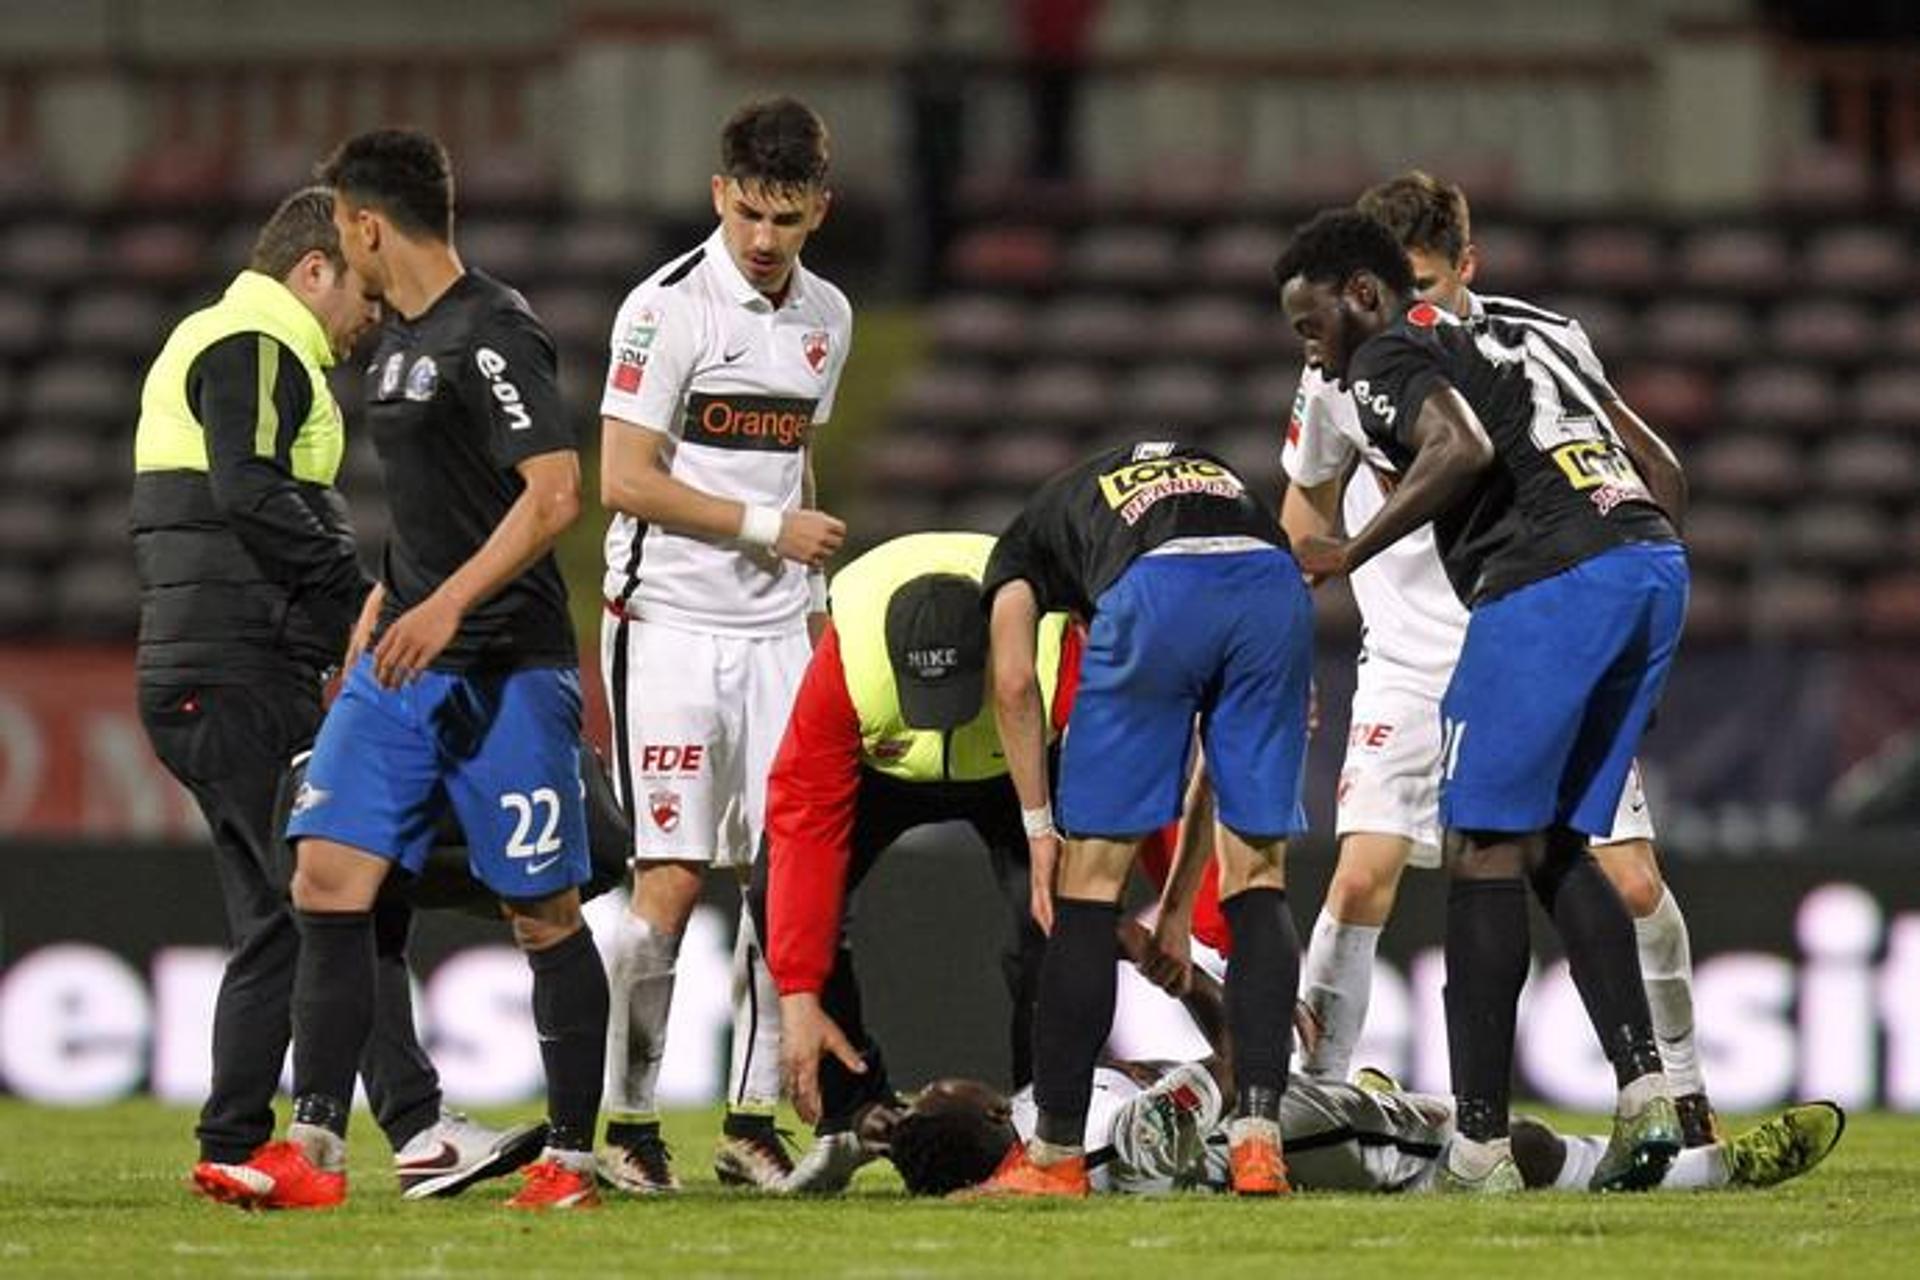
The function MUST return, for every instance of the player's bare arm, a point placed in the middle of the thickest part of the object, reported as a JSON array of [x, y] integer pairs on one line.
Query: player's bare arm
[[1310, 510], [362, 633], [634, 482], [548, 504], [1169, 961], [1452, 449], [1021, 714], [1653, 457]]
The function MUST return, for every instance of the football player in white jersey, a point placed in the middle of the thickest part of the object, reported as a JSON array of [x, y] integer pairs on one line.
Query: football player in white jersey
[[1412, 629], [724, 363]]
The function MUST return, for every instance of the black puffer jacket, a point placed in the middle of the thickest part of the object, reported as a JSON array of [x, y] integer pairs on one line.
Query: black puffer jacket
[[213, 609]]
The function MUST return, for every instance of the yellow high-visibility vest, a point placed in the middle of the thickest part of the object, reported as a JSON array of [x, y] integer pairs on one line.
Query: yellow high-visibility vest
[[860, 595]]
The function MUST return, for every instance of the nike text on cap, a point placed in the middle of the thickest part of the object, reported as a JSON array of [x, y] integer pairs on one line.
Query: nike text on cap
[[937, 641]]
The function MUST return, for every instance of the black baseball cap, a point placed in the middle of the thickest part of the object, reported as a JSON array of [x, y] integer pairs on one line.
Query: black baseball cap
[[937, 641]]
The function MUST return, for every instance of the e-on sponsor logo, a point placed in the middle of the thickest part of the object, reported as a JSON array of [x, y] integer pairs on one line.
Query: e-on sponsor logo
[[1132, 489]]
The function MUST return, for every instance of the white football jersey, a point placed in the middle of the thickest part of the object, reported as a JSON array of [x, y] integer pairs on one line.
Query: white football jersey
[[737, 386], [1337, 1137], [1413, 623]]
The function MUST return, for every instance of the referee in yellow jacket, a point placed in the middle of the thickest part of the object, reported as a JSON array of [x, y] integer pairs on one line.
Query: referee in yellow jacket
[[250, 588]]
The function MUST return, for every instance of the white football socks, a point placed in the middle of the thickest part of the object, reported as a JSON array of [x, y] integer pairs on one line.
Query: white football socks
[[1336, 982], [753, 1080], [326, 1150], [1666, 966], [1696, 1168], [640, 986]]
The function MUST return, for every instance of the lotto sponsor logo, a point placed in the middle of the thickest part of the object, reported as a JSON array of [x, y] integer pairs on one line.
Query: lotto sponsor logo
[[1293, 429], [1423, 314], [671, 757], [1132, 490], [765, 424]]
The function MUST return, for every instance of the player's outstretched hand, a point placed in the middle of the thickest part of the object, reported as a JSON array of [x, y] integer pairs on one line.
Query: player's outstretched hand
[[1043, 854], [415, 639], [806, 1032], [1321, 557], [810, 537]]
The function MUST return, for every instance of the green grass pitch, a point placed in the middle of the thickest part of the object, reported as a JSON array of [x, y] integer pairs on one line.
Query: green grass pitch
[[102, 1193]]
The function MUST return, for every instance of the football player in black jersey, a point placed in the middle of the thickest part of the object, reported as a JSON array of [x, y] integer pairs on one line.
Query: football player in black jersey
[[1195, 610], [1431, 219], [463, 686], [1546, 519]]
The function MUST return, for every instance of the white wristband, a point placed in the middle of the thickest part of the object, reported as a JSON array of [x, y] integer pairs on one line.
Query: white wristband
[[760, 526], [816, 591], [1039, 822]]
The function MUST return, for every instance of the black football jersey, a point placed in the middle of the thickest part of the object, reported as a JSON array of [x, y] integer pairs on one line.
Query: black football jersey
[[1562, 488], [1087, 524], [456, 399]]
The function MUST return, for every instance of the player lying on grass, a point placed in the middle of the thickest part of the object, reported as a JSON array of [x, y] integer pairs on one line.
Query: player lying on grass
[[1159, 1127]]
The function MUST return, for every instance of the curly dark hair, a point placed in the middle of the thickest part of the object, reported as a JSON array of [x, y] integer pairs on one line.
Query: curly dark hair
[[403, 173], [1337, 244], [1423, 213], [779, 143], [949, 1140]]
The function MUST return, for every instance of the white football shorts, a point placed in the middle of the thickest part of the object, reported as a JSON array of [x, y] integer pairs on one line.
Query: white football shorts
[[697, 719], [1390, 778]]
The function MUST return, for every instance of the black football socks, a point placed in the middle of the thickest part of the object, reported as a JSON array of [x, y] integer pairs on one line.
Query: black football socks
[[1263, 975], [1604, 955], [570, 1015], [1487, 954], [333, 984], [1074, 1013]]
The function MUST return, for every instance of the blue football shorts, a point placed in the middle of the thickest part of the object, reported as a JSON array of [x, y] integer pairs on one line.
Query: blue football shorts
[[1225, 638], [1555, 684], [502, 748]]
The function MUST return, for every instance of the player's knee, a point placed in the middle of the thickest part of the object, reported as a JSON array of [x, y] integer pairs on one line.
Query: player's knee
[[324, 881], [545, 923], [1478, 856], [1635, 875], [1361, 893], [665, 894]]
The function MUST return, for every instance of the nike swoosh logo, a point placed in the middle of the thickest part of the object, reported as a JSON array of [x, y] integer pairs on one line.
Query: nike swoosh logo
[[447, 1157], [728, 357], [535, 868]]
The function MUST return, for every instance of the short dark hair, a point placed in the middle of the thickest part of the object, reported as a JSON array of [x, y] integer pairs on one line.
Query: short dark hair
[[948, 1141], [302, 224], [1423, 213], [403, 173], [779, 143], [1336, 244]]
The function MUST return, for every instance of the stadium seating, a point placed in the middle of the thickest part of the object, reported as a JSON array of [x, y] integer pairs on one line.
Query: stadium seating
[[1779, 357]]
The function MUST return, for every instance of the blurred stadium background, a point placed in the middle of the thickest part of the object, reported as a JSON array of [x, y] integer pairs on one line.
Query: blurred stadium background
[[1055, 219]]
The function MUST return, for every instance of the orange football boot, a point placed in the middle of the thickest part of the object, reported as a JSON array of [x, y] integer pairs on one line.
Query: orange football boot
[[552, 1185], [1019, 1176]]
